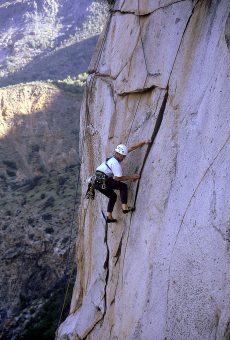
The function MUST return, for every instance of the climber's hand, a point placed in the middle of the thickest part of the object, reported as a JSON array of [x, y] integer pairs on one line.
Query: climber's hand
[[135, 177], [147, 141]]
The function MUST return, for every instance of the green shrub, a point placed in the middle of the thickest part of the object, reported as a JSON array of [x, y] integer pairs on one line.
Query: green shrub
[[30, 220], [35, 148], [45, 324], [3, 177], [47, 217], [62, 180], [24, 201], [49, 230], [10, 164], [10, 173], [32, 183], [111, 2], [49, 202]]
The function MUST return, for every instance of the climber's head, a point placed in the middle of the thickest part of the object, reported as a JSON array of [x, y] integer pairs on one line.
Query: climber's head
[[122, 149], [121, 152]]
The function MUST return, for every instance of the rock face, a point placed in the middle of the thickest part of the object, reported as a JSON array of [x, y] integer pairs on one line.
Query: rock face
[[161, 71]]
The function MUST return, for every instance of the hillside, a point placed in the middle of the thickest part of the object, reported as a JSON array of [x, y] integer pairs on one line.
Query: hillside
[[39, 165], [47, 39]]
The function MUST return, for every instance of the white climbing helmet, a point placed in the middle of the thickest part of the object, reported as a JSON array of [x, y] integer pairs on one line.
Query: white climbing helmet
[[122, 149]]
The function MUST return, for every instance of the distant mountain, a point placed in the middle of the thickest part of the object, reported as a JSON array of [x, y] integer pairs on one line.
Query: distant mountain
[[47, 39]]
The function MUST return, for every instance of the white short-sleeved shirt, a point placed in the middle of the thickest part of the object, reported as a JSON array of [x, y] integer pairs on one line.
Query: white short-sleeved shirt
[[115, 166]]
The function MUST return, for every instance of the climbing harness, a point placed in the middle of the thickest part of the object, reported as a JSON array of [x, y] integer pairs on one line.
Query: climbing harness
[[100, 180], [97, 181]]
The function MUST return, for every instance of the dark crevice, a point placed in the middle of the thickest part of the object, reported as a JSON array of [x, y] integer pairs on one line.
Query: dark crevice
[[219, 232], [123, 12], [216, 324], [107, 256], [118, 253], [134, 13], [106, 263], [92, 329], [141, 90], [182, 38], [227, 32], [106, 268], [227, 331], [163, 7], [153, 137]]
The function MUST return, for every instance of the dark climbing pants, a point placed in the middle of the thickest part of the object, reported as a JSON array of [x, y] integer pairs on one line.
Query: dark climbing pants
[[112, 184]]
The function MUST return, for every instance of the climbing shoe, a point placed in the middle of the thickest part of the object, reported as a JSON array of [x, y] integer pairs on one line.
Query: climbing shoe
[[128, 210], [111, 220]]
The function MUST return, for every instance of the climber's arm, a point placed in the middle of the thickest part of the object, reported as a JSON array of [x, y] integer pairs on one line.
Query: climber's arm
[[127, 178], [139, 144]]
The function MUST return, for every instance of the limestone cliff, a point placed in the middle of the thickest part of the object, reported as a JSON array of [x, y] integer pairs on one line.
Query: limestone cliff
[[161, 71]]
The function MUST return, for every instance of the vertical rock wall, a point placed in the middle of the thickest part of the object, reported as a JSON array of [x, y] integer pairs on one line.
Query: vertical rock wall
[[160, 71]]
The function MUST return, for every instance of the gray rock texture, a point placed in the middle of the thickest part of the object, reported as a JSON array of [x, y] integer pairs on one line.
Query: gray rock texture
[[161, 71]]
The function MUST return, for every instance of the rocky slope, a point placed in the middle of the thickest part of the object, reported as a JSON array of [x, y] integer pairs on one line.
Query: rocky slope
[[39, 127], [161, 71], [39, 163], [47, 39]]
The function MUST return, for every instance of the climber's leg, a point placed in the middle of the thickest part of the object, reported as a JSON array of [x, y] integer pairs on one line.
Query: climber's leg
[[117, 185], [112, 200], [121, 186]]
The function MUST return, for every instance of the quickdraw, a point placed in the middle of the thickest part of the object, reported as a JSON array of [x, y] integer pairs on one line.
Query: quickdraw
[[96, 181], [99, 180], [90, 193]]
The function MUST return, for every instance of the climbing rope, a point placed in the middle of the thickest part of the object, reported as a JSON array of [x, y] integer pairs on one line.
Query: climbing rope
[[81, 147], [71, 272], [72, 224]]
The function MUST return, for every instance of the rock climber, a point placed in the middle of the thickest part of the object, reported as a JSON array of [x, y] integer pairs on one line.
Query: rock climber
[[109, 177]]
